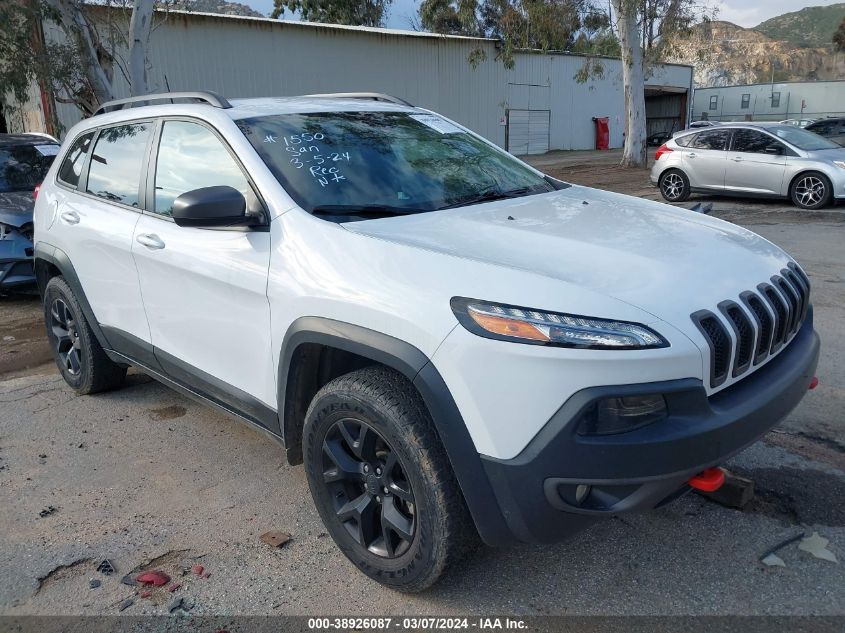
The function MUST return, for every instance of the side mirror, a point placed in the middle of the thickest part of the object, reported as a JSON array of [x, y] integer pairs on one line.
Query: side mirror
[[211, 206], [774, 149]]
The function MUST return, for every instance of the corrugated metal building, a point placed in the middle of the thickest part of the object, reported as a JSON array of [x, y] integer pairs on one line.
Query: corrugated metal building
[[770, 101], [536, 106]]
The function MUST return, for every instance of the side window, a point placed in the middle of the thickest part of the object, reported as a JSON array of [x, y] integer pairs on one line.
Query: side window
[[711, 139], [752, 141], [117, 162], [71, 167], [684, 141], [190, 157]]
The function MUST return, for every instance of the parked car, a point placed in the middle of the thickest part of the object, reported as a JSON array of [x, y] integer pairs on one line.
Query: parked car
[[455, 344], [833, 129], [752, 159], [797, 122], [24, 161], [703, 123]]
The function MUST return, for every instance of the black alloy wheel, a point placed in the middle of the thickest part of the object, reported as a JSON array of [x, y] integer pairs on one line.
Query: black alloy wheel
[[371, 493], [66, 337]]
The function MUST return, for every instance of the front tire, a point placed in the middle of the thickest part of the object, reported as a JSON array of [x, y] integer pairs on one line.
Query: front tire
[[811, 191], [381, 480], [78, 355], [674, 185]]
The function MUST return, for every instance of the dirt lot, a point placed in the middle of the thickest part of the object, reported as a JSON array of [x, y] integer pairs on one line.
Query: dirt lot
[[146, 478]]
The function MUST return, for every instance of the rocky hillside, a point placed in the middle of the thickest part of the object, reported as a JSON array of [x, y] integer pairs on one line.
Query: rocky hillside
[[726, 54], [216, 6], [811, 27]]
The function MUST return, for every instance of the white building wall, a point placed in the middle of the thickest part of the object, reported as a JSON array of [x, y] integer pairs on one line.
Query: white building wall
[[251, 57], [821, 99]]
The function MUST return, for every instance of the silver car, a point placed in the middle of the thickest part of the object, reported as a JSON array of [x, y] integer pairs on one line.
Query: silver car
[[752, 159]]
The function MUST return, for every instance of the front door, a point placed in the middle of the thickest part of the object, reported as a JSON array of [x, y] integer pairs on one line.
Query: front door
[[205, 290], [705, 159], [757, 163]]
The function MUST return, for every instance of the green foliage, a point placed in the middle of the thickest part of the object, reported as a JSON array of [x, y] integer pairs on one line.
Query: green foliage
[[839, 38], [352, 12], [811, 26]]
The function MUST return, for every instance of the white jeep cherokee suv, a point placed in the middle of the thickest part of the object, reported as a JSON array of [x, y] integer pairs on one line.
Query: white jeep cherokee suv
[[454, 344]]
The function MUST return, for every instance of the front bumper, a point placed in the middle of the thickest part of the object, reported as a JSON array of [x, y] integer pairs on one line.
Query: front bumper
[[16, 270], [650, 466]]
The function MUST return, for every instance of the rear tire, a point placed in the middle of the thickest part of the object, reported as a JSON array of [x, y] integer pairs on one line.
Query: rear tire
[[674, 185], [811, 190], [78, 355], [381, 480]]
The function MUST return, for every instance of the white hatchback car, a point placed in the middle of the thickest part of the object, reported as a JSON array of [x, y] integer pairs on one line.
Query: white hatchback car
[[454, 344]]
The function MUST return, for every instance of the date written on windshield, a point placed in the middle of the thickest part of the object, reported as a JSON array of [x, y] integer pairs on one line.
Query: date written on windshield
[[304, 152]]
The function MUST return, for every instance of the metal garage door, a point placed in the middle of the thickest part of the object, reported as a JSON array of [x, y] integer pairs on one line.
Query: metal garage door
[[528, 131]]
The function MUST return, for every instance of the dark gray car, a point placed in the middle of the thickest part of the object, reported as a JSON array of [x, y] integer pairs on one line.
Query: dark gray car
[[833, 129], [24, 161]]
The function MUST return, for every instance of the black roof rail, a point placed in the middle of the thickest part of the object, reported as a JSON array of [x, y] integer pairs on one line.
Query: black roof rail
[[210, 98], [374, 96]]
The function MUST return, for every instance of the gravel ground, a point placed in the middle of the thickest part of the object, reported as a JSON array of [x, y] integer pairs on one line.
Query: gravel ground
[[146, 478]]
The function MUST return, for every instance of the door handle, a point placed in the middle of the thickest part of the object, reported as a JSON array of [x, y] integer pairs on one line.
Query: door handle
[[71, 217], [150, 240]]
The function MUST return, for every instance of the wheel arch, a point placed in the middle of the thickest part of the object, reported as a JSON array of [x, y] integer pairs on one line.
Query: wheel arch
[[804, 172], [310, 341], [50, 261]]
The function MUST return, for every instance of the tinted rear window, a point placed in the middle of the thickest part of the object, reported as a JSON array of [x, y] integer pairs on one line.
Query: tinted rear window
[[24, 166], [117, 161]]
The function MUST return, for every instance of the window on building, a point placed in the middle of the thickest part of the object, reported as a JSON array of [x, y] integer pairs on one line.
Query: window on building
[[117, 162], [190, 156], [746, 101], [775, 99], [711, 139], [714, 102]]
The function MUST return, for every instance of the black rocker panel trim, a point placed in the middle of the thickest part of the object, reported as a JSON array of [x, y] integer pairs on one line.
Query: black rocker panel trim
[[416, 366], [131, 346]]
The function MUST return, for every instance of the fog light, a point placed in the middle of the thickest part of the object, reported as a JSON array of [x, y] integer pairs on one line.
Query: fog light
[[582, 491], [623, 414]]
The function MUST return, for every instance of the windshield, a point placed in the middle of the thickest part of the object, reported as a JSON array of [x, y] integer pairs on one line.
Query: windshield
[[802, 139], [389, 161], [24, 166]]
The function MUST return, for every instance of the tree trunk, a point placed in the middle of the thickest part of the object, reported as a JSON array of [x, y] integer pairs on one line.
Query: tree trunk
[[76, 28], [140, 27], [633, 78]]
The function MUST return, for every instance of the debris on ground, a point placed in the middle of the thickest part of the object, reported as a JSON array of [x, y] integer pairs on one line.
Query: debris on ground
[[47, 511], [106, 567], [128, 580], [817, 546], [154, 577], [198, 570], [186, 604], [773, 560], [174, 587], [145, 594], [770, 559], [126, 604], [275, 538], [736, 492], [94, 583]]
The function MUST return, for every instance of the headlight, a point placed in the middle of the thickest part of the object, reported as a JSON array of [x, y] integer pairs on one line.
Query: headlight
[[525, 325], [839, 163]]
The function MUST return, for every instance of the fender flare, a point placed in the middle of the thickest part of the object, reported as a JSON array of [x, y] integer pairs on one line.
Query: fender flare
[[56, 257], [418, 368]]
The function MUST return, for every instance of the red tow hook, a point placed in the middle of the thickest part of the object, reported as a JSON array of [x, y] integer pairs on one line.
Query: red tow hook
[[709, 480], [814, 383]]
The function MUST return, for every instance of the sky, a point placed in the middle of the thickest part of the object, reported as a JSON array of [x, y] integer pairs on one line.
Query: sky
[[746, 13]]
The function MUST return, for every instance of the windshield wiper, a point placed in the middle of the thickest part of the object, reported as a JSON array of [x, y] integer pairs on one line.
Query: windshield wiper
[[364, 209], [489, 196]]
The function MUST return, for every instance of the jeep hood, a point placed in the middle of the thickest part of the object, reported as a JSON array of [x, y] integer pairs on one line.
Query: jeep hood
[[16, 208], [667, 261]]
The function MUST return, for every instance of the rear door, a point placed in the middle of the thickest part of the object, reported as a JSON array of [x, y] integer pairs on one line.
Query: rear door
[[705, 159], [205, 290], [98, 198], [757, 163]]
